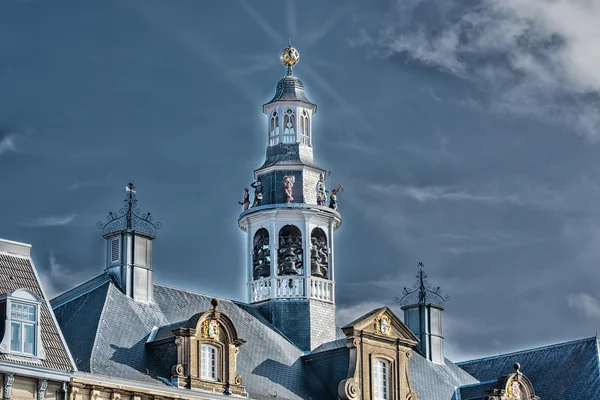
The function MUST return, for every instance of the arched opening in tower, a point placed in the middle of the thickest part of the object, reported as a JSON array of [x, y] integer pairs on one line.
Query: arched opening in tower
[[289, 255], [261, 256], [319, 254]]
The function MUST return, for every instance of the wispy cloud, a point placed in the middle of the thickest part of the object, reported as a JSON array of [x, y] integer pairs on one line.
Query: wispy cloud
[[346, 315], [584, 303], [8, 143], [51, 220], [533, 57], [532, 196]]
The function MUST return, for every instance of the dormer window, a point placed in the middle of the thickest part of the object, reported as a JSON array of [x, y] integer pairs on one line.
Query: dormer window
[[23, 321], [207, 348], [22, 324]]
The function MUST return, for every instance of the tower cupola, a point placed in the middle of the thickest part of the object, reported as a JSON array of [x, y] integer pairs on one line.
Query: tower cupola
[[290, 228], [423, 306], [129, 234]]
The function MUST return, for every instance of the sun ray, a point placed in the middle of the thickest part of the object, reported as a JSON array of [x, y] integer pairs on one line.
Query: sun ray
[[202, 50], [348, 108], [263, 24], [323, 29]]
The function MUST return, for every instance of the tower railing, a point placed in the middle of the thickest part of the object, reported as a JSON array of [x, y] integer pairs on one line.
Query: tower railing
[[291, 287]]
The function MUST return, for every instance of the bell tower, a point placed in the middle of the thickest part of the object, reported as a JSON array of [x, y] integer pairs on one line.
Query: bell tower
[[129, 234], [290, 227]]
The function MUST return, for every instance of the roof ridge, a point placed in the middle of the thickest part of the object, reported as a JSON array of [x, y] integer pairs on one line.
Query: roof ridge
[[100, 321], [527, 350], [196, 293], [80, 290]]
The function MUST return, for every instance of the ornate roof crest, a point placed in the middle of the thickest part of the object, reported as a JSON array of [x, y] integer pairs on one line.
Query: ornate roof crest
[[422, 292], [129, 217]]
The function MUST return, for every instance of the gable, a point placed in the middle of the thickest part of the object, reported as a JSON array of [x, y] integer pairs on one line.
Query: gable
[[18, 276], [382, 323]]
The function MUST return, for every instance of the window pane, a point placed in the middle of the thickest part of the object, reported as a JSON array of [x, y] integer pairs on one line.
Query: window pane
[[381, 384], [15, 336], [29, 336], [22, 312], [208, 363]]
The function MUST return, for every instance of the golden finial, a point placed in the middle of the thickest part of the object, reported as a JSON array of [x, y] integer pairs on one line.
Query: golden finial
[[289, 57]]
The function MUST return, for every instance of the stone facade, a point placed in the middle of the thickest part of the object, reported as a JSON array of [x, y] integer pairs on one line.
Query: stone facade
[[367, 341], [25, 388], [96, 387]]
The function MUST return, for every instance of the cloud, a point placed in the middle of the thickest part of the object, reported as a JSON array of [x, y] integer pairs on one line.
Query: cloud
[[57, 276], [7, 143], [583, 302], [346, 315], [533, 57], [52, 220], [438, 193]]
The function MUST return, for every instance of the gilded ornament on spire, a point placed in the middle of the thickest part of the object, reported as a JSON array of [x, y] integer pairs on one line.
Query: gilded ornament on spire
[[289, 57]]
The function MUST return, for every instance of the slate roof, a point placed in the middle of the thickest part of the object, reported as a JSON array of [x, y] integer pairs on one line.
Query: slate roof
[[561, 371], [434, 381], [116, 329], [290, 88], [476, 391], [18, 272]]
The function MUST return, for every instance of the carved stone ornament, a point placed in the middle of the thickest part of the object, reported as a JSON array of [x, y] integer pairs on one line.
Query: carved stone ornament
[[383, 325], [238, 379], [9, 379], [349, 389], [210, 328], [177, 370], [513, 389], [41, 392]]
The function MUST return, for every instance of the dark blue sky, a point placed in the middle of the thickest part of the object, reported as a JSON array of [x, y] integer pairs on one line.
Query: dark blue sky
[[465, 137]]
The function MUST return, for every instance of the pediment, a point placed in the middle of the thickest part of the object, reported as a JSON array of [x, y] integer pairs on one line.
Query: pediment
[[382, 323]]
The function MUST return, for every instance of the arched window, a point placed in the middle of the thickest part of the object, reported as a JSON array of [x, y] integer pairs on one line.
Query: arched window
[[21, 309], [261, 255], [304, 128], [289, 127], [381, 379], [274, 129], [209, 362], [319, 254], [289, 255]]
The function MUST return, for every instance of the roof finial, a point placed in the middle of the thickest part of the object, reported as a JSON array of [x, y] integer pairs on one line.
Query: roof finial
[[129, 217], [289, 57], [422, 292]]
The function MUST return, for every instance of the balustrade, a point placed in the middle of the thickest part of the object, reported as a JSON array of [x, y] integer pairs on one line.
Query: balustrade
[[291, 287]]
